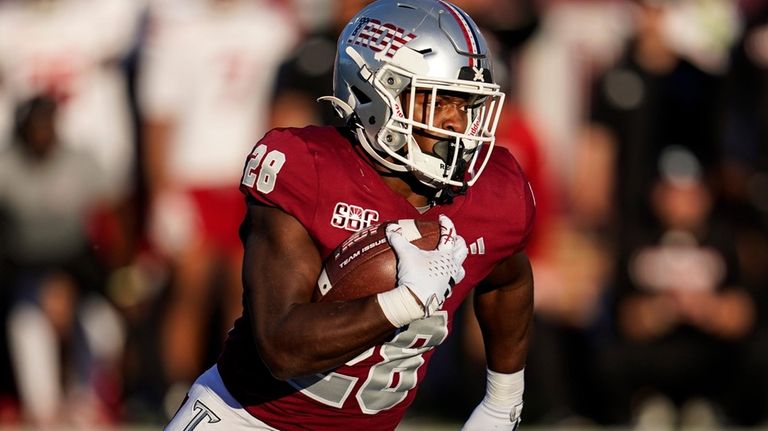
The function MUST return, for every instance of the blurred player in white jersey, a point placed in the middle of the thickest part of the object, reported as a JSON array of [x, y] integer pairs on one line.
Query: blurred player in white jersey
[[71, 49], [205, 81]]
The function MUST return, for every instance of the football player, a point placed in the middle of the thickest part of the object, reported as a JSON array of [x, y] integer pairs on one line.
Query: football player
[[413, 81]]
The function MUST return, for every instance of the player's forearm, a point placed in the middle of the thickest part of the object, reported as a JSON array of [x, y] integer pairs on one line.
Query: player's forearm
[[507, 350], [507, 343], [508, 360], [505, 315], [316, 337], [295, 336]]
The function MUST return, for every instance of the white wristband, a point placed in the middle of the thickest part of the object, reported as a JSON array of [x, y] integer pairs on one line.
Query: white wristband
[[399, 306], [505, 390], [502, 405]]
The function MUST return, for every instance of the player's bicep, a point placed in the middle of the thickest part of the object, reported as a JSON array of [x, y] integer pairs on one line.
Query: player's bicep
[[511, 273], [504, 309], [280, 268]]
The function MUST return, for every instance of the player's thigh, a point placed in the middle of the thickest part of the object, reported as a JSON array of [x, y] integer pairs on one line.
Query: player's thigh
[[204, 410]]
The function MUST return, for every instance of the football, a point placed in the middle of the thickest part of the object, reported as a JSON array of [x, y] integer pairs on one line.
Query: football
[[364, 264]]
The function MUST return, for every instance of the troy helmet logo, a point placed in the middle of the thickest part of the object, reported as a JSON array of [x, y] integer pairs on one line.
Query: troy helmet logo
[[384, 39]]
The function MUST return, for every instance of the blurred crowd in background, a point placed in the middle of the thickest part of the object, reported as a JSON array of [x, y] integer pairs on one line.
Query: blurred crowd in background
[[642, 124]]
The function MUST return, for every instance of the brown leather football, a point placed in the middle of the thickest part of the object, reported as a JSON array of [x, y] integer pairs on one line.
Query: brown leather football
[[364, 264]]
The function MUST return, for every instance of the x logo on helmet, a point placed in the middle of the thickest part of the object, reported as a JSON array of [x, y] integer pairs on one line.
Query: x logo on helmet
[[478, 74]]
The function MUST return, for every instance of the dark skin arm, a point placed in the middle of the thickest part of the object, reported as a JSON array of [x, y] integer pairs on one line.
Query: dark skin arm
[[504, 309], [296, 337]]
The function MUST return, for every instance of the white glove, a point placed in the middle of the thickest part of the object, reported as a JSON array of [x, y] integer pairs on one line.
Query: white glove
[[424, 277], [503, 403], [429, 274]]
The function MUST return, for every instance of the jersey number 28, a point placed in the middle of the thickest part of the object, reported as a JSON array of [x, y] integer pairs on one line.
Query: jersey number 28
[[390, 379], [262, 168]]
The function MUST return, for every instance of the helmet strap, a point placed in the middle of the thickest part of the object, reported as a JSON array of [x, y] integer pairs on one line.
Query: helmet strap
[[342, 108]]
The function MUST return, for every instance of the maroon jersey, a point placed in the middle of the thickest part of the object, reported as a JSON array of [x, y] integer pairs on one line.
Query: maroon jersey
[[329, 185]]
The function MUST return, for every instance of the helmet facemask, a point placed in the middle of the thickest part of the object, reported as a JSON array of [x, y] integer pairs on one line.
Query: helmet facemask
[[455, 160]]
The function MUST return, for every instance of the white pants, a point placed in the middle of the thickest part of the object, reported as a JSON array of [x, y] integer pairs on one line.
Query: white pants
[[209, 406]]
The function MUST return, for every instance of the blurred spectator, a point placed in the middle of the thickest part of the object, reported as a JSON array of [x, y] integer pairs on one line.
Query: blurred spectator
[[651, 99], [48, 192], [308, 73], [656, 69], [205, 84], [743, 186], [663, 101], [683, 317], [71, 50], [575, 40]]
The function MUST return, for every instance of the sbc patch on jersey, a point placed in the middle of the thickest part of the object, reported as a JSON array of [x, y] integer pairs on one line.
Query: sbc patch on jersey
[[352, 217]]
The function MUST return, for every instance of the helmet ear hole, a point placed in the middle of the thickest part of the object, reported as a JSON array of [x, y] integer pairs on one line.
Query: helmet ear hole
[[360, 95]]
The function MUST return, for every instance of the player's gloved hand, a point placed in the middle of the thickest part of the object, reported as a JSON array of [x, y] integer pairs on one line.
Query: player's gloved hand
[[429, 274], [426, 275], [503, 403]]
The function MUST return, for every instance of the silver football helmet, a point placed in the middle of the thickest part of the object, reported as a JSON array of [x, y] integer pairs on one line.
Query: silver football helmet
[[395, 49]]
